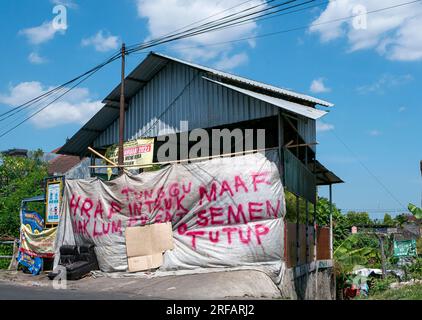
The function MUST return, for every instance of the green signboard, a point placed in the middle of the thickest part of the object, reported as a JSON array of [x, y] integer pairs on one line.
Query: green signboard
[[405, 248]]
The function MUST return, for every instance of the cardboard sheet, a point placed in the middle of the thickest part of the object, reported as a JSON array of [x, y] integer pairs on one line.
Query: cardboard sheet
[[145, 245], [136, 264], [149, 240]]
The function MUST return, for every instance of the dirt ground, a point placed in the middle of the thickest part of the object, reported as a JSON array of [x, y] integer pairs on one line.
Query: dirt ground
[[244, 284]]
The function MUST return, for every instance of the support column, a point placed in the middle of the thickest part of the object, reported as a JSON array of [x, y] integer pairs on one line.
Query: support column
[[297, 231], [122, 113], [281, 145], [92, 170], [331, 221]]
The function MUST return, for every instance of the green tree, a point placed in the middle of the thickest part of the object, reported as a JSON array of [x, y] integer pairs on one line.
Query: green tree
[[401, 219], [19, 178], [359, 218], [388, 220], [417, 212]]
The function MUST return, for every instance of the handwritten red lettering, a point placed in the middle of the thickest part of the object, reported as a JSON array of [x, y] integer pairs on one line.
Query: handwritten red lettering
[[259, 178]]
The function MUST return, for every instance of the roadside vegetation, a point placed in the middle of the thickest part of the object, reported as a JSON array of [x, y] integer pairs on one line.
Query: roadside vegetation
[[409, 292], [19, 178]]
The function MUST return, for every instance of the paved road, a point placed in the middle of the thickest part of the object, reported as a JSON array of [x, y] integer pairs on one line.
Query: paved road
[[13, 292]]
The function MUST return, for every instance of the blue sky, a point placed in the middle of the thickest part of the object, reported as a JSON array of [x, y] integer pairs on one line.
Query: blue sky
[[370, 69]]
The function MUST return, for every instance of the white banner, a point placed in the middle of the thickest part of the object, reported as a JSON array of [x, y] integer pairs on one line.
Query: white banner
[[225, 212]]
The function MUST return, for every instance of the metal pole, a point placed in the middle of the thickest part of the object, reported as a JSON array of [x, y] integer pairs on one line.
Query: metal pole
[[421, 176], [122, 112], [331, 221]]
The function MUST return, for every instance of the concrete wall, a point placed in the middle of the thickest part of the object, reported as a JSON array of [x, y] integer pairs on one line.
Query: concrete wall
[[314, 285]]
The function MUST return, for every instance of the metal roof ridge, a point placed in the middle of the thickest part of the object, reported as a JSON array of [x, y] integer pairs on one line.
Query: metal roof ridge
[[232, 76]]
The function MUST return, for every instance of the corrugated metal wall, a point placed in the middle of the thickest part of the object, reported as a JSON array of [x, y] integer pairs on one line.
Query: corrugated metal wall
[[179, 93], [298, 179], [307, 129]]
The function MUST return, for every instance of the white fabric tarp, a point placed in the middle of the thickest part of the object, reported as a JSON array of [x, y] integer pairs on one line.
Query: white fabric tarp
[[225, 212]]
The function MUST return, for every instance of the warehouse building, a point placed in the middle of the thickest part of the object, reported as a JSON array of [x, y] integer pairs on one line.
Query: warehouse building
[[162, 92]]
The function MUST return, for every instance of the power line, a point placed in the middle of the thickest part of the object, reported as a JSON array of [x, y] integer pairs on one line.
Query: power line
[[218, 24], [27, 104], [30, 103], [304, 27], [368, 170], [204, 19], [50, 103], [207, 24], [204, 28]]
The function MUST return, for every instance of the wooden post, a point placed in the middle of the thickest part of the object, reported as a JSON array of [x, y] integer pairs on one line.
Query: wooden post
[[307, 214], [384, 271], [297, 231], [281, 145]]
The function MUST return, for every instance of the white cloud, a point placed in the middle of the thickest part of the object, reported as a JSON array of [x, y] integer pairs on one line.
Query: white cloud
[[102, 41], [166, 16], [75, 107], [386, 81], [323, 126], [393, 33], [35, 58], [41, 34], [232, 62], [67, 3], [375, 133], [318, 86], [402, 109]]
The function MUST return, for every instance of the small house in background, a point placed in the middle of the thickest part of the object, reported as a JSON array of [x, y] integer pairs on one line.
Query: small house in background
[[22, 153], [71, 167]]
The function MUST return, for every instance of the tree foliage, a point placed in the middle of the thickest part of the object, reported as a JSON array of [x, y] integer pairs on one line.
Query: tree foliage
[[19, 178], [388, 220], [417, 212]]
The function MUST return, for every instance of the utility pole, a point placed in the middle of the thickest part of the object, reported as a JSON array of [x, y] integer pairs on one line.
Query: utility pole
[[421, 176], [381, 240], [122, 113]]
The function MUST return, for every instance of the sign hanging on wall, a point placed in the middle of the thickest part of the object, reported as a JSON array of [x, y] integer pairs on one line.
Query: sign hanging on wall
[[137, 152], [53, 201]]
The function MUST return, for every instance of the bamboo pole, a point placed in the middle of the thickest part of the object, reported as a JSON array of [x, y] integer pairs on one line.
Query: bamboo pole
[[114, 165]]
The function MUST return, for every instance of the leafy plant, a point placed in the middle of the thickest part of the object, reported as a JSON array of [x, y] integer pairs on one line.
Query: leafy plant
[[353, 252], [414, 270], [19, 178], [381, 285], [417, 212]]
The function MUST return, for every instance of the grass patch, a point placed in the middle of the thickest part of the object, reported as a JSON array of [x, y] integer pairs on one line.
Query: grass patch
[[5, 250], [410, 292]]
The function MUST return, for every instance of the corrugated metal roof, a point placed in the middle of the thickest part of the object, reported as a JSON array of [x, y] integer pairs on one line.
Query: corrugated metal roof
[[154, 62], [139, 77], [324, 176], [281, 103], [256, 84]]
